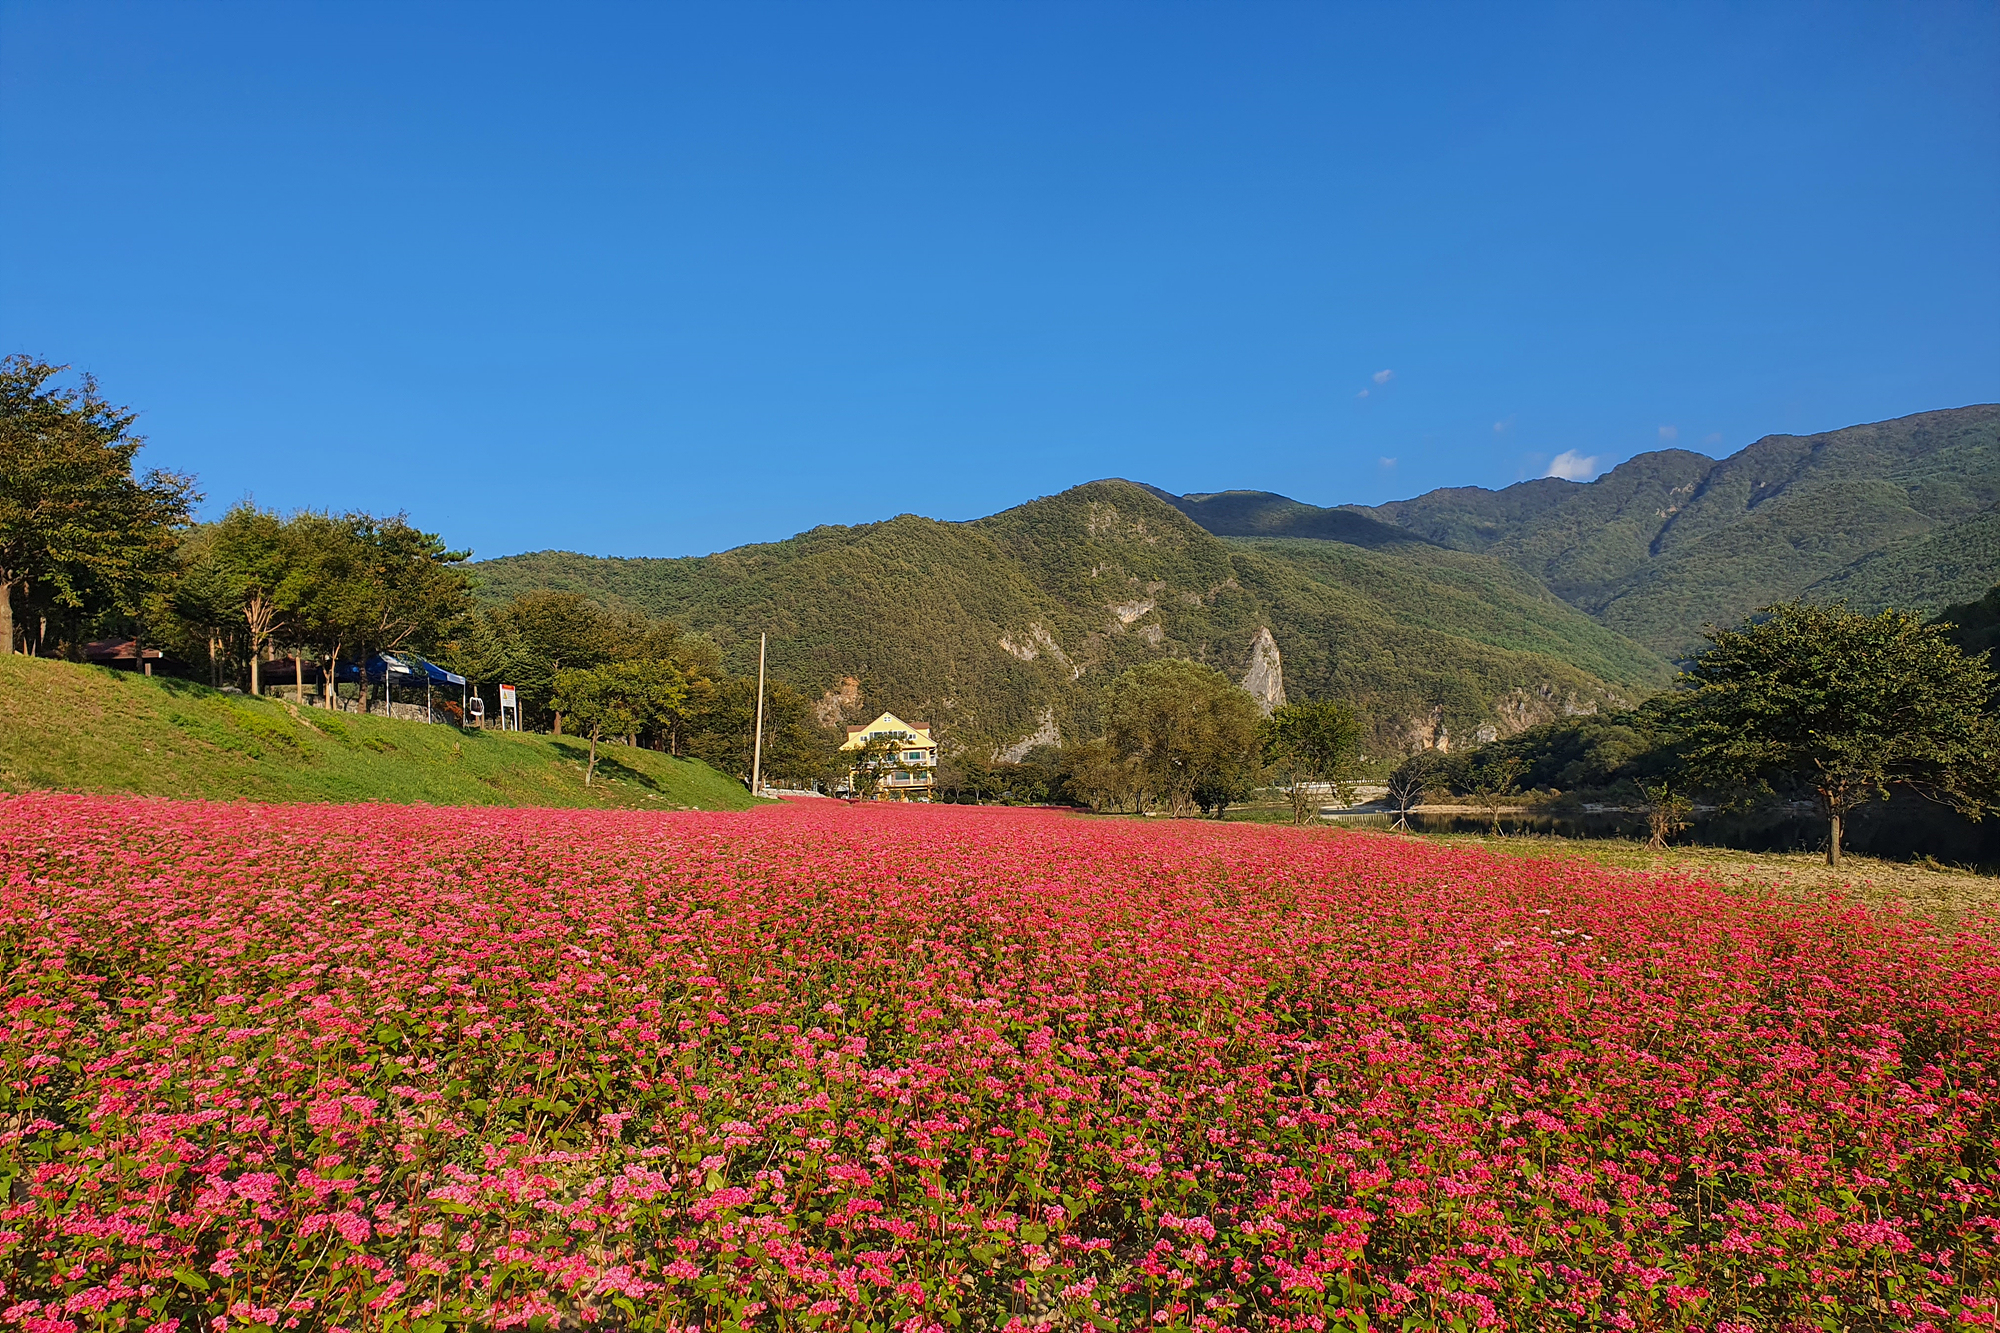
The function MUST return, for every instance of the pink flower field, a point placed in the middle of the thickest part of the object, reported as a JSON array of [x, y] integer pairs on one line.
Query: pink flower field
[[839, 1068]]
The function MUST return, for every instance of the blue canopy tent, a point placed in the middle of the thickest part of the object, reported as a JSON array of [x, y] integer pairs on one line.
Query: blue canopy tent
[[407, 669]]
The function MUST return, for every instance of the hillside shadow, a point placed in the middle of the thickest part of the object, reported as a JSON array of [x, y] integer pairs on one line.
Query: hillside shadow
[[608, 764]]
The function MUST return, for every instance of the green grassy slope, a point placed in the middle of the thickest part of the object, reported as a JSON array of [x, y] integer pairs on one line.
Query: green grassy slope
[[79, 728], [985, 628]]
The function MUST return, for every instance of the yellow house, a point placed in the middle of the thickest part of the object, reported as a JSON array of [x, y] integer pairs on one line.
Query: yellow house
[[909, 771]]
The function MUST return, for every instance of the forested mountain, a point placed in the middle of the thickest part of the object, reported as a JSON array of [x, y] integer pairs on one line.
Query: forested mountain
[[1002, 630], [1457, 610], [1895, 513]]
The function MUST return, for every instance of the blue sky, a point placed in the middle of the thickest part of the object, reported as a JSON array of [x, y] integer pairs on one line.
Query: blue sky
[[651, 280]]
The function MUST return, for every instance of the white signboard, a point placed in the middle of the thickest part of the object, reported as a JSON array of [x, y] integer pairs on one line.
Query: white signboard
[[507, 698]]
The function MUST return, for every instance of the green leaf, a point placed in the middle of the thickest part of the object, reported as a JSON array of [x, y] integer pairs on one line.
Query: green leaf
[[187, 1277]]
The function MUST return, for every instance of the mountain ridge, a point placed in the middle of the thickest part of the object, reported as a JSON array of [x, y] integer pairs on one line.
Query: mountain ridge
[[1670, 540], [1440, 616], [1003, 628]]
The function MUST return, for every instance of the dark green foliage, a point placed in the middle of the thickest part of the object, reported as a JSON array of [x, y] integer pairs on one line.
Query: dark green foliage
[[1186, 734], [1955, 563], [82, 539], [1264, 514], [986, 628], [1042, 777], [1844, 704], [618, 699], [1312, 743], [1611, 753], [1976, 625]]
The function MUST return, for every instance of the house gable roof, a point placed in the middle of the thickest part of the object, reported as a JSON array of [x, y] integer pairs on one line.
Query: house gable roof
[[858, 736]]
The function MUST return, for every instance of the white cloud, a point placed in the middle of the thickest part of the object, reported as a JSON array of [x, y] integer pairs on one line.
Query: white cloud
[[1668, 434], [1716, 438], [1362, 394], [1572, 466], [1384, 376], [1387, 462]]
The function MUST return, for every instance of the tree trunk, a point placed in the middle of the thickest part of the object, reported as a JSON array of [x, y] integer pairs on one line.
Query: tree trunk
[[7, 616], [587, 772], [253, 671], [558, 724], [329, 691], [1833, 842], [298, 681]]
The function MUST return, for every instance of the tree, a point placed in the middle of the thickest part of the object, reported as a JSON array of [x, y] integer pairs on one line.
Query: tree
[[1311, 744], [77, 529], [1667, 813], [796, 748], [197, 607], [600, 702], [334, 600], [411, 583], [540, 634], [1845, 704], [656, 690], [1182, 725], [1099, 774], [1412, 781], [1491, 781], [252, 552], [872, 763]]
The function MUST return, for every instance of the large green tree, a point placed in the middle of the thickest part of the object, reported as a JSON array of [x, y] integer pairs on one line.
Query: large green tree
[[413, 584], [196, 608], [1181, 726], [335, 594], [538, 635], [1312, 745], [1845, 705], [79, 532], [599, 702], [254, 556]]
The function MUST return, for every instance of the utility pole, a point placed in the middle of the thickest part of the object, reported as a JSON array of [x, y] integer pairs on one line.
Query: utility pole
[[757, 749]]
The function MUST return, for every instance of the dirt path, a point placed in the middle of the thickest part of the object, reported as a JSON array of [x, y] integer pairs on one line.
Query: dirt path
[[1948, 896]]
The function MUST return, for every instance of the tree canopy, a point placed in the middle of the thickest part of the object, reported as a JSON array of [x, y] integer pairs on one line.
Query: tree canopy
[[1313, 744], [1846, 705], [79, 532], [1176, 727]]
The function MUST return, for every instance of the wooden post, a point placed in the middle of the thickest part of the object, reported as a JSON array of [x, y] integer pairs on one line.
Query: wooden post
[[757, 749]]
